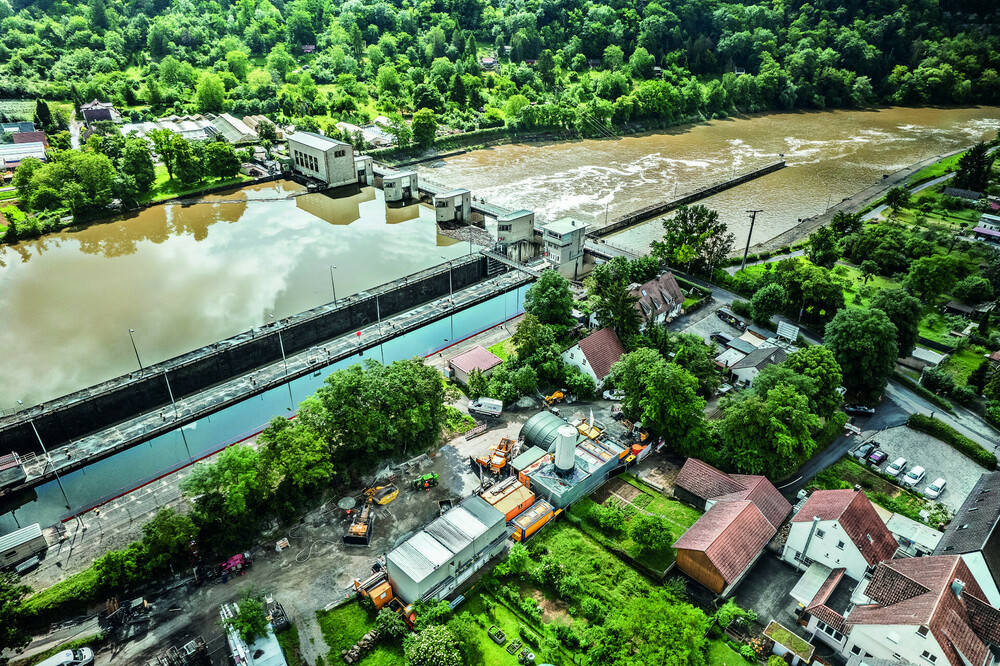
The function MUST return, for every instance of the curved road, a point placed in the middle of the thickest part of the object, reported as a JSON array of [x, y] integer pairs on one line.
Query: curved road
[[877, 211]]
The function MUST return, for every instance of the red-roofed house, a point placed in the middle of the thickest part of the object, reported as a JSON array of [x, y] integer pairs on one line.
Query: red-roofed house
[[478, 358], [839, 529], [743, 514], [701, 485], [659, 300], [595, 354], [722, 545], [925, 610]]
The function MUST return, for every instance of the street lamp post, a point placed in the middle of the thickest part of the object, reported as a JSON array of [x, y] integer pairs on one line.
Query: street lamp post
[[334, 285], [56, 472], [176, 415], [451, 299], [130, 332]]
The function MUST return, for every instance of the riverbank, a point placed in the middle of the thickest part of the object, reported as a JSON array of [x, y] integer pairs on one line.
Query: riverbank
[[857, 203]]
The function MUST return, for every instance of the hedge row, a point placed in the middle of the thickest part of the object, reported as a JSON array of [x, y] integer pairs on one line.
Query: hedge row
[[955, 439], [923, 392]]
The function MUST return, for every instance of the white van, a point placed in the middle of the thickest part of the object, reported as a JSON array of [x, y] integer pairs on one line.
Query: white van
[[78, 657], [486, 407]]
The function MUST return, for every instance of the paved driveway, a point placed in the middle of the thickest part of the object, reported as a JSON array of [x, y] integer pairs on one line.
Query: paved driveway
[[939, 459], [766, 590]]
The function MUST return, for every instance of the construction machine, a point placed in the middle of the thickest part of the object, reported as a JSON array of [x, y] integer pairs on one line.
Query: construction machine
[[360, 531], [382, 495], [557, 396], [499, 455], [426, 481], [635, 430]]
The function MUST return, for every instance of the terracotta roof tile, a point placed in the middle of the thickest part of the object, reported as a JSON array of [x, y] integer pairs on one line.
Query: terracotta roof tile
[[477, 358], [731, 534], [768, 499], [856, 516], [704, 481], [602, 349], [658, 296]]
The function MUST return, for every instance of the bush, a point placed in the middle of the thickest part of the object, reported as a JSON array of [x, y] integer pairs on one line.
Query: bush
[[775, 660], [966, 395], [747, 653], [742, 308], [609, 519], [938, 381], [952, 437]]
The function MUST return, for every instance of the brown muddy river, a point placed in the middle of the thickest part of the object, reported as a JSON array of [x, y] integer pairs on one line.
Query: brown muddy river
[[831, 155], [186, 276]]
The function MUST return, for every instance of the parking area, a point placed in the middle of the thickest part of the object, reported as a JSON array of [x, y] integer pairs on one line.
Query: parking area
[[705, 322], [767, 591], [937, 458]]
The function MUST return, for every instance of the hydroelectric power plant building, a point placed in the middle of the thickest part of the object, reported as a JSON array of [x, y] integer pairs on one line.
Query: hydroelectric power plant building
[[323, 158]]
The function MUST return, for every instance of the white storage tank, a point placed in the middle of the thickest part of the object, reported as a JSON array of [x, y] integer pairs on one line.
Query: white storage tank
[[565, 458]]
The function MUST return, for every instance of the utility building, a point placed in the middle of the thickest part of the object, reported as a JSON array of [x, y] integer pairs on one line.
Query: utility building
[[454, 206], [323, 158], [564, 245], [435, 561], [400, 186], [516, 234], [364, 169]]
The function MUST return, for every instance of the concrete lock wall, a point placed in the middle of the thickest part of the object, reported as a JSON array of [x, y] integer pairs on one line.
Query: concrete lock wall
[[224, 360]]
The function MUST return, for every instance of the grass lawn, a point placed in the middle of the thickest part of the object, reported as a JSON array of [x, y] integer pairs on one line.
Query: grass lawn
[[289, 641], [947, 165], [344, 625], [512, 626], [164, 188], [503, 349], [720, 654], [677, 514], [963, 363], [854, 284], [937, 326]]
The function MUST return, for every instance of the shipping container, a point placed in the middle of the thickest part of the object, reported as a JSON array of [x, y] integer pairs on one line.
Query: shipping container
[[532, 520]]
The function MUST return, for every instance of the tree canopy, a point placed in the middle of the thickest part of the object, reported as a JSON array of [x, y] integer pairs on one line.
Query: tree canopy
[[864, 344]]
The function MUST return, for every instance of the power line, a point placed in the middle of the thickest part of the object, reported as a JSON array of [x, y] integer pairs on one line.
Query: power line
[[753, 218]]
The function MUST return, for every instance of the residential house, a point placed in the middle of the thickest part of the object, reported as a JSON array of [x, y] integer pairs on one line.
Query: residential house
[[925, 610], [595, 354], [747, 369], [838, 529], [95, 111], [478, 358], [988, 228], [974, 533], [743, 513], [659, 300], [31, 137]]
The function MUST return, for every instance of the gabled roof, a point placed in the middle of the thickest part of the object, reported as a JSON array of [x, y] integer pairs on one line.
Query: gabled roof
[[30, 137], [818, 606], [731, 534], [478, 358], [602, 349], [316, 141], [856, 516], [976, 521], [95, 104], [658, 296], [761, 357], [710, 484], [922, 591]]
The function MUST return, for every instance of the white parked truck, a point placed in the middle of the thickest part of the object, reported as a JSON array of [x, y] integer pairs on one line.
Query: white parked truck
[[486, 407]]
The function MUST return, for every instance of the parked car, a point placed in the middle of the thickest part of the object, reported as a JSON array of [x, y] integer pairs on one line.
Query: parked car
[[934, 490], [859, 410], [896, 467], [721, 338], [728, 316], [863, 451], [616, 394], [914, 476], [877, 457], [70, 658], [723, 389]]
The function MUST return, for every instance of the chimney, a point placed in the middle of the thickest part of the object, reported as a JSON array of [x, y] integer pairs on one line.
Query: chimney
[[857, 487], [957, 586]]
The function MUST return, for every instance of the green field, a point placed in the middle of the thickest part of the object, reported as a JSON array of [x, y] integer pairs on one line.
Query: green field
[[343, 626], [503, 349], [164, 188], [947, 165], [963, 363], [720, 654], [680, 516]]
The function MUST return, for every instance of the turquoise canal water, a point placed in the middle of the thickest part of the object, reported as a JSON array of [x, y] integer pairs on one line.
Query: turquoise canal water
[[124, 471]]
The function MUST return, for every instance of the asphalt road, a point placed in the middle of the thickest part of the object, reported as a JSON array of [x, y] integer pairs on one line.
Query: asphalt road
[[877, 211]]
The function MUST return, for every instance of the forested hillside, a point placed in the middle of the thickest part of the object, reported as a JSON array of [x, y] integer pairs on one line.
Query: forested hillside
[[589, 63]]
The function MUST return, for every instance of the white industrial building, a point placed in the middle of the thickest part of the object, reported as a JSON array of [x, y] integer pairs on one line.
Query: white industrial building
[[435, 561], [400, 186], [454, 206], [322, 158], [364, 166], [564, 245], [516, 234]]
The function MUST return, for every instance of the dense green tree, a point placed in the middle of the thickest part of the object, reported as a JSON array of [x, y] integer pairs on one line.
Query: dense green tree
[[137, 161], [973, 290], [165, 541], [166, 147], [650, 533], [846, 223], [864, 344], [819, 364], [869, 269], [664, 396], [977, 379], [250, 619], [211, 93], [239, 475], [424, 127], [688, 350], [767, 302], [931, 276], [898, 197], [297, 452], [221, 160], [823, 248], [239, 64], [432, 646], [974, 168], [693, 233], [188, 159], [14, 621], [905, 312], [550, 299]]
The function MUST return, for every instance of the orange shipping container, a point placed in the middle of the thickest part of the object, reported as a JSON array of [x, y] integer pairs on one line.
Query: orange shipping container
[[509, 497], [532, 520]]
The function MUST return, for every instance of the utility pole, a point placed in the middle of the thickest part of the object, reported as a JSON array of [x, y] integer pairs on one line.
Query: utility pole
[[130, 332], [753, 218], [334, 285]]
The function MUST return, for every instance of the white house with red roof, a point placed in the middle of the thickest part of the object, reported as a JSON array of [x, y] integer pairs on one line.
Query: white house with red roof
[[840, 530], [595, 354]]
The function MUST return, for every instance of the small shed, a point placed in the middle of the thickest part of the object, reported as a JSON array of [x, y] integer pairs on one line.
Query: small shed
[[478, 358], [21, 545]]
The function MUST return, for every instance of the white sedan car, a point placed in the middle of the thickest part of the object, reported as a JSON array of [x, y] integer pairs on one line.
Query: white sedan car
[[617, 394], [896, 467], [913, 477], [934, 490]]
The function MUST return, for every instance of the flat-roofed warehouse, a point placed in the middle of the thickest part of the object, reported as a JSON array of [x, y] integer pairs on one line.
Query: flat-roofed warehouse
[[435, 561], [322, 158]]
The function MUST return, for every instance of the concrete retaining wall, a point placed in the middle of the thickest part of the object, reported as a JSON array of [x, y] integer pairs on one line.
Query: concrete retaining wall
[[122, 398]]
